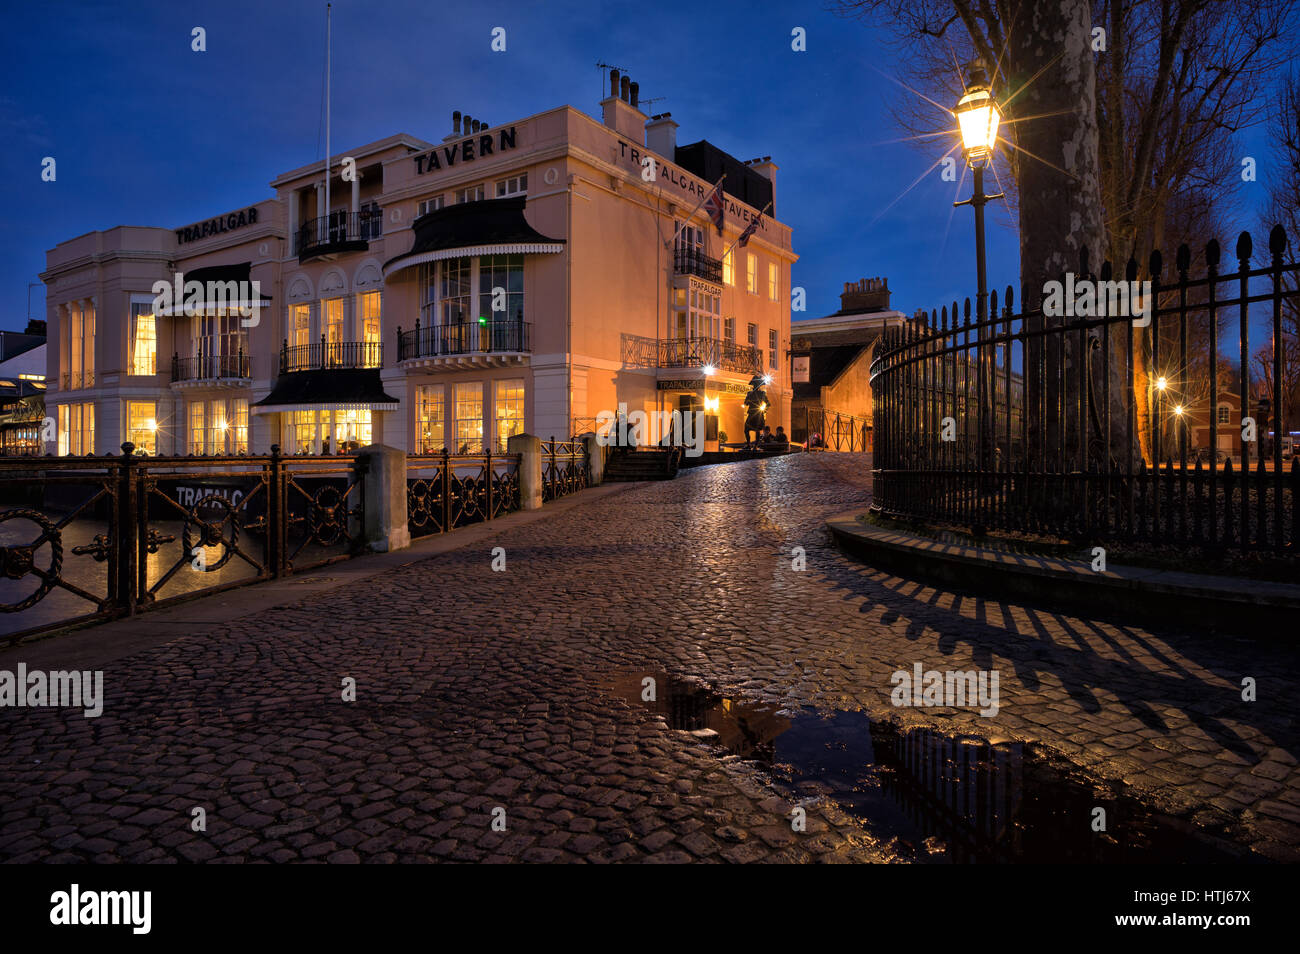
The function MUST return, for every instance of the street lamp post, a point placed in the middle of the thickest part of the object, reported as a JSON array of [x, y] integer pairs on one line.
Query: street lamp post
[[978, 117]]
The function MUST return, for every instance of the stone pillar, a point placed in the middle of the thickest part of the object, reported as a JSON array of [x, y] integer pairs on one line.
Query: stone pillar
[[530, 469], [385, 498], [595, 459]]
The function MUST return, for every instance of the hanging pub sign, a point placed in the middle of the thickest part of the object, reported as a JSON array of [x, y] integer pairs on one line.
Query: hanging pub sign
[[468, 149], [799, 368]]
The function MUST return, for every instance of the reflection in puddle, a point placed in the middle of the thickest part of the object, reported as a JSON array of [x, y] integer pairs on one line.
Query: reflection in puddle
[[932, 797]]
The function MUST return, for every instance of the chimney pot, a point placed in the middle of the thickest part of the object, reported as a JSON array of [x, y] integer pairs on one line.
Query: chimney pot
[[624, 89], [455, 122], [635, 91], [468, 123], [613, 82]]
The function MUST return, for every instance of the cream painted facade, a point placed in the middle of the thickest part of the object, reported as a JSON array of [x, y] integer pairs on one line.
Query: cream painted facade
[[578, 302]]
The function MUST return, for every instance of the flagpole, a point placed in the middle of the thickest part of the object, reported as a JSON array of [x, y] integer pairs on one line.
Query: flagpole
[[691, 213], [327, 114], [735, 243]]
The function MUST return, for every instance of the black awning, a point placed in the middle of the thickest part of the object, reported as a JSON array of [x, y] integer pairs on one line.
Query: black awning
[[239, 272], [490, 226], [329, 389]]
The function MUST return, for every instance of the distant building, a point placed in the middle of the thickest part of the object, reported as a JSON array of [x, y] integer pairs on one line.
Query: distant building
[[831, 356], [22, 393]]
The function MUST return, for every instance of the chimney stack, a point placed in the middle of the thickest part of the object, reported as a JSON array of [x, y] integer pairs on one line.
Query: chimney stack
[[619, 112], [455, 122], [635, 91], [661, 136], [866, 294]]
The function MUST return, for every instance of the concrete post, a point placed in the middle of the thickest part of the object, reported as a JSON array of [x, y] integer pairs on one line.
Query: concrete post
[[385, 498], [530, 469], [595, 459]]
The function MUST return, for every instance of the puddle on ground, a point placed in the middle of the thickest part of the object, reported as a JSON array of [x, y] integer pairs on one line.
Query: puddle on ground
[[932, 797]]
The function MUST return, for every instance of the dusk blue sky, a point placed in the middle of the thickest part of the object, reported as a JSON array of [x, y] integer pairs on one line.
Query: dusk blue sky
[[147, 132]]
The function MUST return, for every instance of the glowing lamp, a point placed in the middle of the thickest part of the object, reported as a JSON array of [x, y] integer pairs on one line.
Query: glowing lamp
[[978, 117], [709, 369]]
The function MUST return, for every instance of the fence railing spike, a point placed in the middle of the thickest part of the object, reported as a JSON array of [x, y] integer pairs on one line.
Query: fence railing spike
[[1183, 260], [1155, 263], [1131, 269], [1212, 253], [1244, 247], [1277, 240]]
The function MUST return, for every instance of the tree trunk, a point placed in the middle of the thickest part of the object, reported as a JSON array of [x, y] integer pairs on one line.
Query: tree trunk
[[1060, 197]]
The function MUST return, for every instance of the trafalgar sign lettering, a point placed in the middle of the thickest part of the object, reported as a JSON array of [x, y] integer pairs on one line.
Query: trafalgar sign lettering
[[707, 383], [688, 186], [467, 150], [222, 223]]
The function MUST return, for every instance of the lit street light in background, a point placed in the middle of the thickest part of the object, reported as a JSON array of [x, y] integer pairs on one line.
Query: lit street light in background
[[978, 118]]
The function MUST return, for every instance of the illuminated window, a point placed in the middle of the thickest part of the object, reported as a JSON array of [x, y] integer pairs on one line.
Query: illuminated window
[[333, 328], [429, 437], [299, 325], [1224, 411], [197, 434], [144, 340], [773, 282], [729, 267], [142, 426], [508, 403], [369, 304], [239, 428], [76, 429], [469, 418], [751, 279], [31, 377], [329, 432]]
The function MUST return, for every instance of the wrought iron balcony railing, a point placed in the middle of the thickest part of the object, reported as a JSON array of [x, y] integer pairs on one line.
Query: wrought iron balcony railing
[[691, 352], [467, 337], [691, 261], [74, 380], [331, 355], [338, 232], [210, 367]]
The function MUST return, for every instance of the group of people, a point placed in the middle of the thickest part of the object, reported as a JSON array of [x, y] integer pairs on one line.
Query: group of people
[[765, 436]]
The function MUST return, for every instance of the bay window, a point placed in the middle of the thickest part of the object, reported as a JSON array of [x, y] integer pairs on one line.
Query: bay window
[[508, 405], [429, 432]]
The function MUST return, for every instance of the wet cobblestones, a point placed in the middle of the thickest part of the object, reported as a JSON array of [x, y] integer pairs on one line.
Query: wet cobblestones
[[479, 690]]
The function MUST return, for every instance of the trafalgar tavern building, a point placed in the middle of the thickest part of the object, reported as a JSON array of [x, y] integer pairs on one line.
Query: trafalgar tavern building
[[512, 277]]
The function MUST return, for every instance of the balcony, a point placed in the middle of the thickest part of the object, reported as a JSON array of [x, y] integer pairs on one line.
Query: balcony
[[466, 344], [691, 352], [691, 261], [337, 233], [76, 380], [206, 369], [331, 355]]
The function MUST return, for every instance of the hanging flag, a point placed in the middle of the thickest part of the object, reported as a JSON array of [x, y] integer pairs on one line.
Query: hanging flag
[[713, 206], [750, 229]]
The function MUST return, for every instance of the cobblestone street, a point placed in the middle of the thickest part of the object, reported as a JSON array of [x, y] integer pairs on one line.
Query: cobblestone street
[[477, 689]]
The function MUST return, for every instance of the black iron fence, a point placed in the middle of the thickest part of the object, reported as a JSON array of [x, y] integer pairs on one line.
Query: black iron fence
[[331, 354], [1100, 418], [822, 429], [564, 467], [465, 337], [85, 539], [445, 491]]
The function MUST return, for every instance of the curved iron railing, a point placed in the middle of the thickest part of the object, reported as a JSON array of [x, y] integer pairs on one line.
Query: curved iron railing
[[691, 261], [331, 355], [466, 337], [1102, 425], [690, 352], [319, 235]]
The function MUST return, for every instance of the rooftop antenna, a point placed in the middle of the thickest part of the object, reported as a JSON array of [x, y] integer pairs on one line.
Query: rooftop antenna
[[327, 111], [606, 66]]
